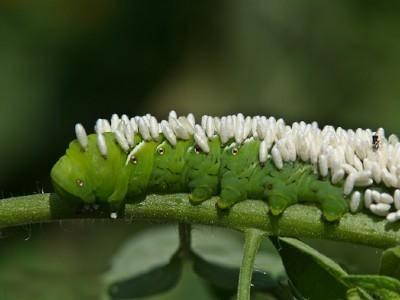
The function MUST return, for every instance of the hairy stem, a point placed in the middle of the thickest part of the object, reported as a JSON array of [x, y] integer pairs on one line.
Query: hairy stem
[[252, 241], [297, 221]]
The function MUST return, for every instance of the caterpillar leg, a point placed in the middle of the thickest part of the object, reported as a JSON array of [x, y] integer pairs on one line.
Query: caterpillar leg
[[233, 190], [203, 188], [333, 204], [116, 199], [229, 196], [200, 194], [329, 197], [280, 196]]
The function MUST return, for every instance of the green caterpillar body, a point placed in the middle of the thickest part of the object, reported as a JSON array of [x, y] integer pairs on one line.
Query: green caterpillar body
[[231, 170]]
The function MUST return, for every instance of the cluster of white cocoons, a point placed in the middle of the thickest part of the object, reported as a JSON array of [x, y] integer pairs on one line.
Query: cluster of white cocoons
[[360, 157]]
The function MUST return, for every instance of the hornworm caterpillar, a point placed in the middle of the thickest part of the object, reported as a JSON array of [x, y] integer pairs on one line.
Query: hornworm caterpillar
[[237, 158]]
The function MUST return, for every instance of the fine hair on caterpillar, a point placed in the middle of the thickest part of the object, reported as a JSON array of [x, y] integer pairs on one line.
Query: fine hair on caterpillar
[[236, 157]]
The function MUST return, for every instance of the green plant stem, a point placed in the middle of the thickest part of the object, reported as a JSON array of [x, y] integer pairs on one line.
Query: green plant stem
[[252, 241], [185, 239], [297, 221]]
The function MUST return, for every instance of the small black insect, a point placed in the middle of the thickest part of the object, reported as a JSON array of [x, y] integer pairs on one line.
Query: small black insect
[[376, 142]]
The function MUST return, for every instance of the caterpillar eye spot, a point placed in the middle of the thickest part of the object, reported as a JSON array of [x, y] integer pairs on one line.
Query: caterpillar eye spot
[[80, 183], [161, 151], [197, 149], [133, 160], [235, 151]]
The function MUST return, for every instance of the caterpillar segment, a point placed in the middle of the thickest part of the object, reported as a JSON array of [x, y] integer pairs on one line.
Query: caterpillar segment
[[236, 158]]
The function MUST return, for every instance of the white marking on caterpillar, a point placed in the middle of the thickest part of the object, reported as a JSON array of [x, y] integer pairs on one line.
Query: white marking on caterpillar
[[210, 127], [224, 131], [276, 157], [247, 127], [101, 144], [392, 217], [114, 122], [134, 125], [393, 139], [129, 134], [389, 179], [185, 123], [261, 128], [217, 124], [144, 130], [367, 198], [229, 126], [254, 125], [99, 127], [154, 130], [380, 209], [203, 121], [106, 125], [338, 176], [146, 119], [281, 145], [125, 119], [191, 119], [168, 133], [386, 198], [355, 201], [323, 165], [291, 146], [376, 172], [239, 131], [349, 183], [396, 198], [376, 196], [363, 178], [119, 136], [348, 168], [81, 136], [201, 139], [179, 130], [172, 114], [263, 152], [113, 215]]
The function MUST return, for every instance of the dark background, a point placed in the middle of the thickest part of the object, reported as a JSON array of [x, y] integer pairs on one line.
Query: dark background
[[62, 62]]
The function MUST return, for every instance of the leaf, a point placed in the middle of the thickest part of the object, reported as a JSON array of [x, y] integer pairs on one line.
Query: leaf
[[377, 285], [190, 286], [358, 294], [153, 282], [227, 277], [142, 267], [312, 274], [390, 262], [217, 257]]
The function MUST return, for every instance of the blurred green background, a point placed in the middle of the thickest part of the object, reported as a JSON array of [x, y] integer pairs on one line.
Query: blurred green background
[[62, 62]]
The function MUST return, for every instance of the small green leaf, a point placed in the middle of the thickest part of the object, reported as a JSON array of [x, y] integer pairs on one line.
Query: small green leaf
[[358, 294], [312, 274], [145, 265], [225, 247], [153, 282], [227, 277], [377, 285], [217, 257], [390, 262]]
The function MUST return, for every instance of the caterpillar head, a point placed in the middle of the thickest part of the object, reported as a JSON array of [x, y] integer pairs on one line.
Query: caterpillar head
[[70, 180]]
